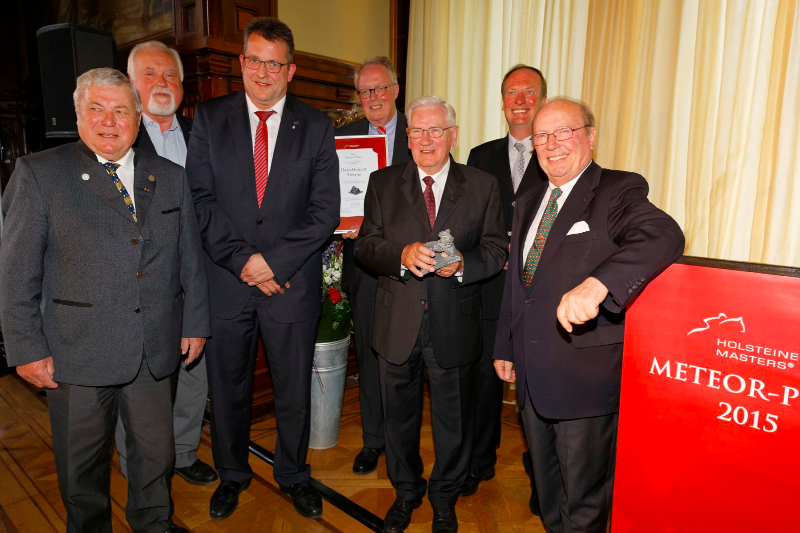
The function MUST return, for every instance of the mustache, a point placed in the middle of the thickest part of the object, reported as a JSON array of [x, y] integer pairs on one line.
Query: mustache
[[161, 90]]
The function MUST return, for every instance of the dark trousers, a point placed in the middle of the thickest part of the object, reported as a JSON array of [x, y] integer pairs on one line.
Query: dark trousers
[[488, 403], [83, 421], [573, 465], [362, 303], [452, 403], [231, 358]]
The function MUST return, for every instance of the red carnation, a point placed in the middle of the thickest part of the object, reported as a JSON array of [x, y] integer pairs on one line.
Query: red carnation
[[335, 295]]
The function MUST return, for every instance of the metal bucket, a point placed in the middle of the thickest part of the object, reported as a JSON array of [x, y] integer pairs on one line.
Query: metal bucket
[[327, 392]]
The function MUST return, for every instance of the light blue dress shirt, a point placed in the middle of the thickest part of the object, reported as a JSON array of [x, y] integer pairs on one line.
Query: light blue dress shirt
[[170, 144]]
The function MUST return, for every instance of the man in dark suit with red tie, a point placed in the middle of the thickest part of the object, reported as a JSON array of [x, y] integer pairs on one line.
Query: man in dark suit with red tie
[[428, 317], [510, 159], [376, 85], [583, 245], [265, 180]]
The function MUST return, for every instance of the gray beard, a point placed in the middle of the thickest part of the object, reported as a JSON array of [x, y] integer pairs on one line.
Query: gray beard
[[163, 110]]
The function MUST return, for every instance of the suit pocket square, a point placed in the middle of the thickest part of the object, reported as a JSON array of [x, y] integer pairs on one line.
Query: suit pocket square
[[579, 227]]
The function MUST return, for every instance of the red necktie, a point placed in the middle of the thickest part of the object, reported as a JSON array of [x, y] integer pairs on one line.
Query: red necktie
[[430, 200], [381, 130], [261, 154]]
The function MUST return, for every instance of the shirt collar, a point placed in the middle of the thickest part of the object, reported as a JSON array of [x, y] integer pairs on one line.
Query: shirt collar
[[278, 107], [527, 141], [126, 161], [389, 127], [570, 184], [441, 174], [150, 123]]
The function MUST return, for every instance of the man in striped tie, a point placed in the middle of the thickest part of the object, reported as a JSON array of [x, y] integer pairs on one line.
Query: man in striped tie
[[583, 245]]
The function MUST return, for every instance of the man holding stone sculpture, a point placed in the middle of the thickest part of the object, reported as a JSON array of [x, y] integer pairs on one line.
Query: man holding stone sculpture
[[424, 317]]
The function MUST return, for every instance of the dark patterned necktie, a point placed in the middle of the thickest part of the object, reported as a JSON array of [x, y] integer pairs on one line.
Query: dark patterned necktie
[[111, 168], [430, 200], [261, 154], [535, 253]]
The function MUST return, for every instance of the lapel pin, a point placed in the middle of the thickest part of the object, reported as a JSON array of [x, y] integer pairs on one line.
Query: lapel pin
[[151, 178], [146, 189], [452, 198], [295, 123], [85, 177]]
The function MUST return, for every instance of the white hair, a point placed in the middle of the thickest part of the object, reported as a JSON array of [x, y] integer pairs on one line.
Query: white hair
[[103, 77], [152, 45], [428, 101]]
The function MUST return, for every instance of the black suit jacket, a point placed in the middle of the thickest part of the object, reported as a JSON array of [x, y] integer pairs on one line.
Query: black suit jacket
[[299, 212], [395, 216], [144, 142], [577, 375], [492, 157]]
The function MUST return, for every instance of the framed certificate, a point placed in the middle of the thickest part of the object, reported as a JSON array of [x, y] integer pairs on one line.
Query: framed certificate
[[359, 156]]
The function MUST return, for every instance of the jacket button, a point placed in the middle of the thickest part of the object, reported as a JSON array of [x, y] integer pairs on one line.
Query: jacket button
[[140, 274], [136, 310], [422, 302], [258, 221], [528, 301], [134, 241]]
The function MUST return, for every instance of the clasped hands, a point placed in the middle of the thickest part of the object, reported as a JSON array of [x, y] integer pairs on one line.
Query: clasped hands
[[257, 273], [578, 306], [419, 260]]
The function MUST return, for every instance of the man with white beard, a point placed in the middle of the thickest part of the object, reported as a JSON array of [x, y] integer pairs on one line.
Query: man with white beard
[[157, 73]]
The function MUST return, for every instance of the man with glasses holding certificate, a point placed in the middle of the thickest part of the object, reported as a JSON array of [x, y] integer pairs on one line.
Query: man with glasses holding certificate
[[429, 316], [264, 176], [376, 85]]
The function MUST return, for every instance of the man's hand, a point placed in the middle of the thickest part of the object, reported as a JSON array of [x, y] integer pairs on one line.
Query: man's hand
[[350, 235], [256, 271], [418, 259], [581, 303], [505, 370], [449, 270], [270, 287], [39, 373], [193, 346]]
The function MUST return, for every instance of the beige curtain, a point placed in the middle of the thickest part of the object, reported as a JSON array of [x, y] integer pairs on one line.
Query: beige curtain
[[701, 97]]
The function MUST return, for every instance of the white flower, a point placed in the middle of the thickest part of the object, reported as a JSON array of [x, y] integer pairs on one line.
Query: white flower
[[328, 280], [337, 275]]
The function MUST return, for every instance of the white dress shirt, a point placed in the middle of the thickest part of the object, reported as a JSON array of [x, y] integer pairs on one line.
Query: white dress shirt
[[273, 123], [565, 190], [124, 172]]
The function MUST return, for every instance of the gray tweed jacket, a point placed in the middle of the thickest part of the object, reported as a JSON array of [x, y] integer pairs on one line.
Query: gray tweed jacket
[[83, 283]]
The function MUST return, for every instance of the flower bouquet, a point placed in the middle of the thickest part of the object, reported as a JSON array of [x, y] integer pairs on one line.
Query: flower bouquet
[[336, 320]]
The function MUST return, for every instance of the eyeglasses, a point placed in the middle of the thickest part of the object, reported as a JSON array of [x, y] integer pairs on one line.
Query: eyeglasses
[[272, 66], [380, 90], [435, 132], [561, 134]]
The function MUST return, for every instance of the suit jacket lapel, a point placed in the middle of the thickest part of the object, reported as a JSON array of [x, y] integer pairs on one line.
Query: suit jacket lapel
[[533, 176], [577, 202], [502, 164], [400, 154], [144, 188], [239, 123], [186, 128], [143, 140], [412, 191], [528, 213], [453, 191], [287, 133], [100, 183]]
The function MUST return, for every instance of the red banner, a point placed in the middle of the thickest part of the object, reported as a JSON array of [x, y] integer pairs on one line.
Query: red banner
[[709, 428]]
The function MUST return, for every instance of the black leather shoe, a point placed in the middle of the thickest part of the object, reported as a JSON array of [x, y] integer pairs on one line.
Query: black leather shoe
[[533, 503], [474, 478], [399, 515], [198, 473], [306, 498], [444, 521], [173, 528], [367, 460], [225, 499]]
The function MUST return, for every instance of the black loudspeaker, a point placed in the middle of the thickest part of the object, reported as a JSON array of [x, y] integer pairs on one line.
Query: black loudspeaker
[[65, 52]]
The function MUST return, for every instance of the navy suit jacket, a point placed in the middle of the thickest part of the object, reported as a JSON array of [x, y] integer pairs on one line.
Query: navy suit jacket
[[492, 157], [299, 212], [577, 375]]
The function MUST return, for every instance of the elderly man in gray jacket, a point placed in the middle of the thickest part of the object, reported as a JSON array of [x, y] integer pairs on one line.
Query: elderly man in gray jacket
[[103, 288]]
